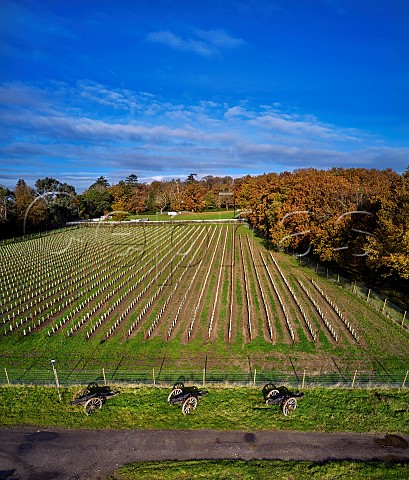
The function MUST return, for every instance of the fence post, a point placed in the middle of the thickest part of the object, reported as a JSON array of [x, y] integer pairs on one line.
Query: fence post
[[56, 379], [384, 305], [5, 371], [254, 378], [204, 376], [103, 374], [153, 376], [367, 297], [403, 319], [404, 381], [353, 381], [303, 380]]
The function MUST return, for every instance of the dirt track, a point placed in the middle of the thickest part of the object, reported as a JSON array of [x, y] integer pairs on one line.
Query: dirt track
[[56, 454]]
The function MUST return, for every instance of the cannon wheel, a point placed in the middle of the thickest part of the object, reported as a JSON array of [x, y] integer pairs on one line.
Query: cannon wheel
[[269, 386], [189, 405], [92, 385], [272, 394], [80, 393], [289, 405], [179, 385], [92, 404], [174, 393]]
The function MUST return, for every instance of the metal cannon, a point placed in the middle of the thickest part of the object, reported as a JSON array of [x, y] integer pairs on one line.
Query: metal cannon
[[185, 396], [281, 396], [92, 397]]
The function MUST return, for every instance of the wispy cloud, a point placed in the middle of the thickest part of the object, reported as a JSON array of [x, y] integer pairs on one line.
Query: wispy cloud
[[219, 38], [187, 45], [20, 22], [57, 129], [118, 98], [207, 43], [293, 125]]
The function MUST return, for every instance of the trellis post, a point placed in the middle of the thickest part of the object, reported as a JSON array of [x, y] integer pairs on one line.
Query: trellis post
[[153, 376], [367, 297], [103, 374], [5, 371], [254, 378], [303, 379], [403, 319]]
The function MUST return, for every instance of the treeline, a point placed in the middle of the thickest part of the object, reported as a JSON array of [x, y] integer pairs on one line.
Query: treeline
[[51, 203], [355, 218]]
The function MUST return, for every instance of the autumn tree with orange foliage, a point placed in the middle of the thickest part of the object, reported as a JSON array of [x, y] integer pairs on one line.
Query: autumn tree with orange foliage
[[388, 250], [354, 217]]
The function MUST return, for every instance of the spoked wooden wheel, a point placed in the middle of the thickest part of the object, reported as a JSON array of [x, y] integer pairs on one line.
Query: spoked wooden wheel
[[92, 405], [80, 393], [269, 386], [174, 393], [179, 385], [289, 405], [189, 405], [272, 394]]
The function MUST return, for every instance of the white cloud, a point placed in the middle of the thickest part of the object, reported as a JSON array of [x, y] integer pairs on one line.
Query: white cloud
[[88, 127], [220, 39], [308, 126], [208, 43], [237, 112], [115, 98], [187, 45]]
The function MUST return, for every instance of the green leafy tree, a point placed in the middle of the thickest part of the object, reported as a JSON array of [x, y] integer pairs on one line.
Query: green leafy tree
[[100, 184], [6, 204], [61, 200], [191, 178], [131, 180], [96, 201]]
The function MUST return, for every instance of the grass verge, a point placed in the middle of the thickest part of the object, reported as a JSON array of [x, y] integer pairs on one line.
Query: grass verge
[[229, 408], [260, 470]]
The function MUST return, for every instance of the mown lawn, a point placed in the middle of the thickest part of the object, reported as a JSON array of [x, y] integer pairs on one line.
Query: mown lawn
[[211, 215]]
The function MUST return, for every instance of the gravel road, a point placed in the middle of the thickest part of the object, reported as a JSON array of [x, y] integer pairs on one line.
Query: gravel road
[[57, 454]]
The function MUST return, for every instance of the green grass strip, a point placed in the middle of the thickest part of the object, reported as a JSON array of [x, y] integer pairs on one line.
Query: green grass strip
[[228, 408], [260, 470]]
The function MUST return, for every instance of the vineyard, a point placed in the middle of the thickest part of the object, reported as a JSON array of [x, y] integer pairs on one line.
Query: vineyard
[[184, 291]]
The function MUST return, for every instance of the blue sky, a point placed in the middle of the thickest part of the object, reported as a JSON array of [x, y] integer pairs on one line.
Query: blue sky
[[164, 88]]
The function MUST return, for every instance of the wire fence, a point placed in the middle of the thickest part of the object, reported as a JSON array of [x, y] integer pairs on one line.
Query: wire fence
[[382, 304], [33, 235], [46, 372]]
